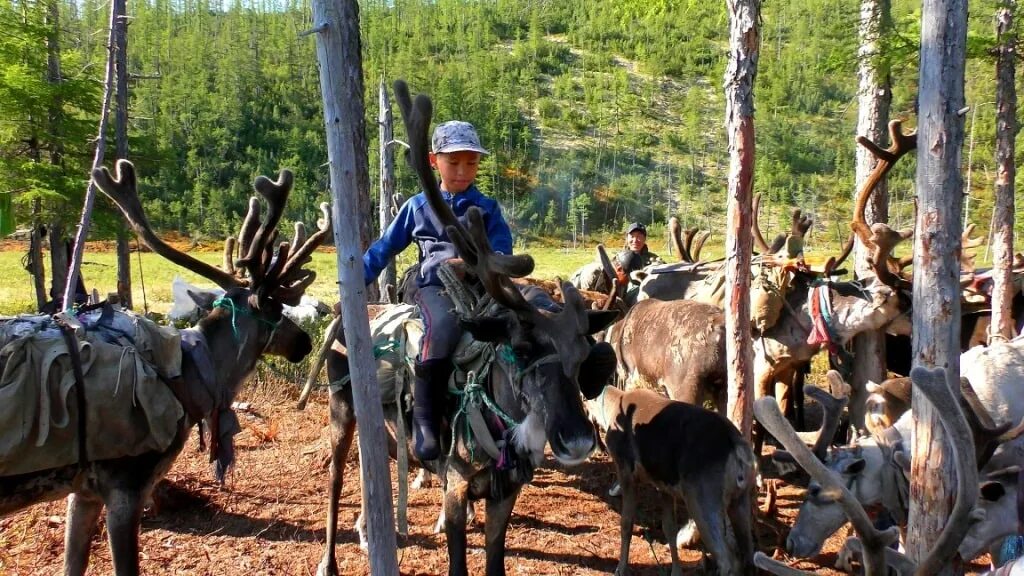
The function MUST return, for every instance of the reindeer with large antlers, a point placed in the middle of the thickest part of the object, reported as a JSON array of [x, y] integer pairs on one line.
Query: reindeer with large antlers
[[218, 355], [532, 388]]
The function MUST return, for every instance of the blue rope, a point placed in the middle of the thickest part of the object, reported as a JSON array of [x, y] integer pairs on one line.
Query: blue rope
[[1013, 547], [379, 350]]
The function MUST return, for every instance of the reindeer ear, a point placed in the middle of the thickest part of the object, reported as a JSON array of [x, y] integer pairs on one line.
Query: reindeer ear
[[489, 328], [204, 300], [992, 491], [600, 319]]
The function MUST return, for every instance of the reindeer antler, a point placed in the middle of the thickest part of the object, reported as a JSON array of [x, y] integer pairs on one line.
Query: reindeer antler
[[698, 245], [122, 190], [258, 256], [755, 227], [884, 240], [887, 158]]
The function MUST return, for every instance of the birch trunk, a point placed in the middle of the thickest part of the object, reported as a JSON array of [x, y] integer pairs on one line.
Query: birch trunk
[[1006, 175], [744, 43], [936, 313], [874, 97], [341, 84]]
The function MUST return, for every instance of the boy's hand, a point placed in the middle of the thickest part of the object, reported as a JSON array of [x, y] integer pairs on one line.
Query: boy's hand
[[458, 266]]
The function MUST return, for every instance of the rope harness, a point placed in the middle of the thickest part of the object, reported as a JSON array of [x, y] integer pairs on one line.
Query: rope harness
[[229, 304], [823, 333]]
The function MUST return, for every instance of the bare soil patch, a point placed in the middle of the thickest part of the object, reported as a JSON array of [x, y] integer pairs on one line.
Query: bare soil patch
[[269, 518]]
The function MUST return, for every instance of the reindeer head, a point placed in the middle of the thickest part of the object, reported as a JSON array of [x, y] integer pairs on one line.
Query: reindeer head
[[549, 347], [257, 284]]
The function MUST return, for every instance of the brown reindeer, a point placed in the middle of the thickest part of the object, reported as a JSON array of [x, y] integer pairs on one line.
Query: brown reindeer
[[246, 325], [537, 386], [689, 454]]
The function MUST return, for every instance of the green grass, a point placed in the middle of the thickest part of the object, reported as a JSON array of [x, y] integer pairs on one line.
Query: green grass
[[553, 258], [151, 281]]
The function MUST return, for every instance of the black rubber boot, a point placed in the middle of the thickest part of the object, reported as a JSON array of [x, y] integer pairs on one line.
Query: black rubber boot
[[429, 392]]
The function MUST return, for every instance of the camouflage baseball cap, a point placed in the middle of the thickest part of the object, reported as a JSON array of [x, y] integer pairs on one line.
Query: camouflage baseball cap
[[456, 136]]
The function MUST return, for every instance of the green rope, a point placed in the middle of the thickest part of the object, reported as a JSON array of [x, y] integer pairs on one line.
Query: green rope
[[229, 304], [378, 351], [474, 395]]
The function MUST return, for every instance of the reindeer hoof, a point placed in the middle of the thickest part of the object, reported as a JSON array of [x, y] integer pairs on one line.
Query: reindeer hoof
[[615, 490]]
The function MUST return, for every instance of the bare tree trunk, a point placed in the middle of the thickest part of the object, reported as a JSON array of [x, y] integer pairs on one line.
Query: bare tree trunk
[[936, 313], [124, 261], [1006, 175], [97, 161], [874, 98], [385, 119], [58, 259], [744, 43], [35, 257], [341, 84], [58, 254]]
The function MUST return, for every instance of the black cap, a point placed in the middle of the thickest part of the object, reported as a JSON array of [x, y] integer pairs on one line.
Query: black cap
[[636, 227]]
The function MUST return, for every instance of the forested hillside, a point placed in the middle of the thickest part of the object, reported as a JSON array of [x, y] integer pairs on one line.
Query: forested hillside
[[597, 113]]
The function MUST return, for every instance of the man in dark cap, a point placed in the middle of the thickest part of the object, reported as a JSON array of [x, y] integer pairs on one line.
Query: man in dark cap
[[635, 257]]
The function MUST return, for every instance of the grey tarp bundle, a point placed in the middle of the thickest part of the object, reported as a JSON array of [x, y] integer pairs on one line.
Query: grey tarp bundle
[[130, 410]]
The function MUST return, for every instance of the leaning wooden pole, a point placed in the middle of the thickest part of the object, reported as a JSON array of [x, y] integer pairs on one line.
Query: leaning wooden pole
[[386, 128], [97, 161], [1006, 174], [336, 27], [936, 292], [744, 40]]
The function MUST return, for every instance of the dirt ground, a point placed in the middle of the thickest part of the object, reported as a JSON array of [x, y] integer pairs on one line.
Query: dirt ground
[[269, 518]]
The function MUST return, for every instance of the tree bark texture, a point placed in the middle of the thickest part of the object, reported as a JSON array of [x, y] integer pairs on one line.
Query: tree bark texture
[[936, 291], [874, 96], [341, 84], [744, 44], [386, 127], [35, 257], [124, 261], [1006, 175]]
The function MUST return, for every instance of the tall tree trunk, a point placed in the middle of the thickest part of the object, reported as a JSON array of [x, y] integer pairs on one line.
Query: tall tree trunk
[[386, 127], [35, 257], [341, 85], [744, 43], [874, 97], [58, 253], [124, 261], [936, 313], [1006, 175]]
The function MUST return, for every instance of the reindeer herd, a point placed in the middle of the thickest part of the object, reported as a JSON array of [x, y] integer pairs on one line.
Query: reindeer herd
[[526, 390]]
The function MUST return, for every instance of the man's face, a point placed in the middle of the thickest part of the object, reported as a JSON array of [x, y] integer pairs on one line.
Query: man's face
[[636, 240], [457, 169]]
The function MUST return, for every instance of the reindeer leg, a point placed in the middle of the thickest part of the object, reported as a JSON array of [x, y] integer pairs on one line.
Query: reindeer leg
[[343, 425], [498, 514], [706, 509], [455, 496], [626, 519], [124, 514], [83, 514], [668, 526]]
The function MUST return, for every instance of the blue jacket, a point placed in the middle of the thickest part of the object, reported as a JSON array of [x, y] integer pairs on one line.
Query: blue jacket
[[416, 222]]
